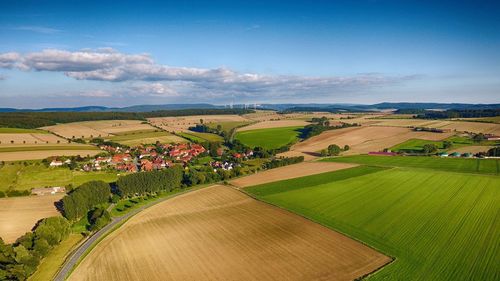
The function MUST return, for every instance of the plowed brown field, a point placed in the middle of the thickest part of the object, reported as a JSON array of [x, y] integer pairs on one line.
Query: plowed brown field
[[19, 215], [95, 129], [219, 233]]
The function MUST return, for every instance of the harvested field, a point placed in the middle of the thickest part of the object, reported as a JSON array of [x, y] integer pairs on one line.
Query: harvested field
[[182, 123], [103, 128], [471, 149], [19, 215], [363, 139], [147, 137], [288, 172], [11, 139], [460, 126], [219, 233], [42, 154], [274, 124]]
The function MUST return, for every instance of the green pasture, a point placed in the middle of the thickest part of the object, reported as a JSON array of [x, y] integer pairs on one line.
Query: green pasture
[[462, 165], [229, 125], [269, 138], [20, 177], [201, 137], [437, 225], [416, 145]]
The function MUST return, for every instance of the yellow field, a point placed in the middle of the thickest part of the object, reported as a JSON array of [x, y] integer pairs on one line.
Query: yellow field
[[103, 128], [219, 233], [29, 139], [42, 154], [182, 123], [362, 139], [19, 215]]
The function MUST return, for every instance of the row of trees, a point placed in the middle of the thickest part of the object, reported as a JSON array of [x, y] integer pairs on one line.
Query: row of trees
[[459, 114], [83, 198], [279, 162], [318, 128], [149, 182], [21, 259], [333, 150]]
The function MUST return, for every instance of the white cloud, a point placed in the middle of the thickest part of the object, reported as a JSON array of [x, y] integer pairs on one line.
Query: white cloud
[[37, 29], [151, 78]]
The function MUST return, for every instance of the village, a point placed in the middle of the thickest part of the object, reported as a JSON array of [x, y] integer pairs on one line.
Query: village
[[153, 157]]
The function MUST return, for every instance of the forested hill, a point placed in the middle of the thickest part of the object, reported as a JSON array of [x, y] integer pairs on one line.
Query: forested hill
[[30, 120]]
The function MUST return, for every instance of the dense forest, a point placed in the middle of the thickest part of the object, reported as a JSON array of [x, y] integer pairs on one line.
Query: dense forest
[[31, 120], [455, 113], [150, 182]]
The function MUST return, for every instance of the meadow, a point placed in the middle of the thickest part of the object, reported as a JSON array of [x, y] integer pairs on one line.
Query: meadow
[[20, 177], [416, 145], [462, 165], [228, 125], [201, 137], [437, 225], [269, 138]]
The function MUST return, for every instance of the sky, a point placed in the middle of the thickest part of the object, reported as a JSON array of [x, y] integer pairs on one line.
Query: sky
[[120, 53]]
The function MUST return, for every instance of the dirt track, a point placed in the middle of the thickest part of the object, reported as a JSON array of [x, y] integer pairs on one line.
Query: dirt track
[[289, 172], [219, 233], [18, 215]]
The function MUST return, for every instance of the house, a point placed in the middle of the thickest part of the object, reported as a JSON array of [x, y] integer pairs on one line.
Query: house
[[455, 154], [56, 163], [48, 190], [146, 165], [129, 167], [443, 154], [120, 158], [492, 137]]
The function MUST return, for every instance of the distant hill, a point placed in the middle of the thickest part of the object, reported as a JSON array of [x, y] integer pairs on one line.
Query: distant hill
[[334, 107]]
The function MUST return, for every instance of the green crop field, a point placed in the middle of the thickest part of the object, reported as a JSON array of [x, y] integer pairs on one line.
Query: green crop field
[[201, 137], [416, 145], [269, 138], [228, 126], [437, 225], [21, 131], [19, 177], [463, 165]]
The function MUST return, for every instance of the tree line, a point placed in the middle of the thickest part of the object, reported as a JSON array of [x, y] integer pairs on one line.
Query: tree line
[[31, 120], [280, 162], [458, 114], [21, 259], [149, 182]]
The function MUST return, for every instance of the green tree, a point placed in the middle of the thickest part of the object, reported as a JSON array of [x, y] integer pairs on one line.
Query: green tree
[[429, 148], [333, 150]]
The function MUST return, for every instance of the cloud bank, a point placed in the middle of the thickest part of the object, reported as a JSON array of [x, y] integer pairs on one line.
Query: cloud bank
[[145, 76]]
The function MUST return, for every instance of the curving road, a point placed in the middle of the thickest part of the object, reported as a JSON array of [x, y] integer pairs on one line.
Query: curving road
[[76, 255]]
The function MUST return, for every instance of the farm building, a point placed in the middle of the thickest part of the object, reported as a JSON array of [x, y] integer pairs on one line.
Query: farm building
[[48, 190]]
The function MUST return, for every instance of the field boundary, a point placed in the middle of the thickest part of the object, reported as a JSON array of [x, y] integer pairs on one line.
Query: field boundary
[[392, 258]]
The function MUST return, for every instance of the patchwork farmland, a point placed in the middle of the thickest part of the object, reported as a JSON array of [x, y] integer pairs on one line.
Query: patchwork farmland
[[228, 236], [437, 225], [94, 129]]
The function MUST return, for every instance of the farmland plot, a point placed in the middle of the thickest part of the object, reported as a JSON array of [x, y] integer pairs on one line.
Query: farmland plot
[[19, 215], [362, 139], [274, 124], [103, 128], [437, 225], [218, 233], [182, 123], [269, 138]]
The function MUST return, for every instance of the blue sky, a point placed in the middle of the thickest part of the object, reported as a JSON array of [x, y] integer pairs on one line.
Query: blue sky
[[73, 53]]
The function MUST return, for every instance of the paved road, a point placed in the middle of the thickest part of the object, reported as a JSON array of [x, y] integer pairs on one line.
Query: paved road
[[78, 253]]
